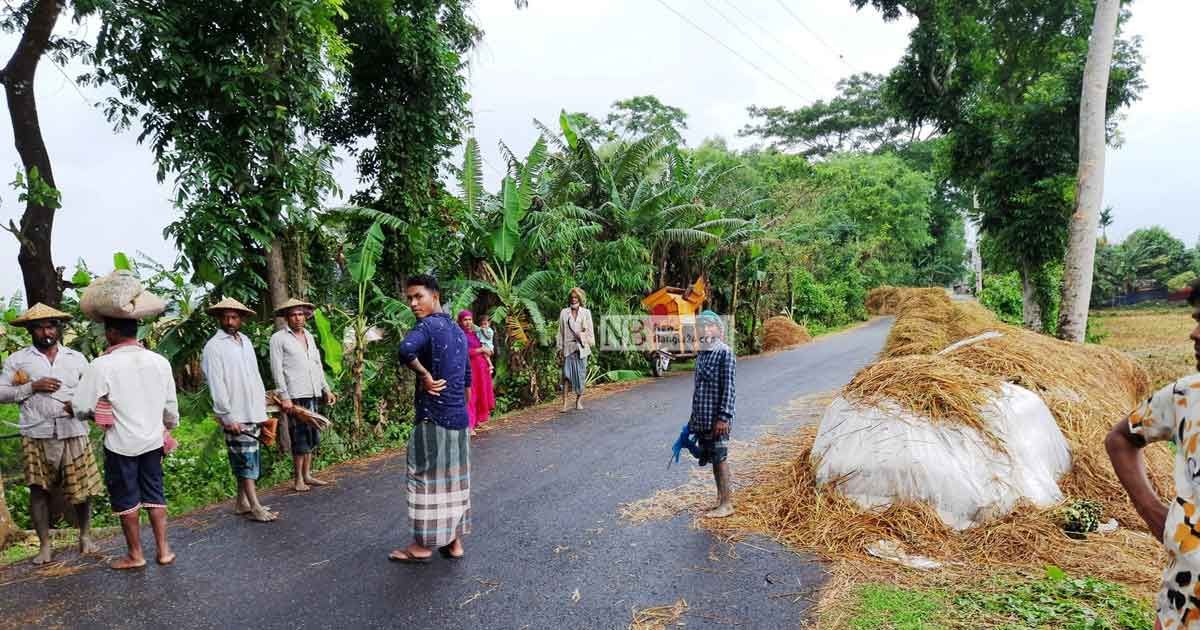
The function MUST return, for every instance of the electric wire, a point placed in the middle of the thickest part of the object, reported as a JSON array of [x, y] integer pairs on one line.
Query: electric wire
[[754, 41], [825, 74], [817, 37]]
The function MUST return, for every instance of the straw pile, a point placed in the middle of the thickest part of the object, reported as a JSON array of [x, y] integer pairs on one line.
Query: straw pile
[[781, 332], [928, 385], [780, 498], [1087, 388], [883, 300]]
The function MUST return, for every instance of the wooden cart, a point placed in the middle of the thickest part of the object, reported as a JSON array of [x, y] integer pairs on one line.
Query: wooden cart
[[673, 324]]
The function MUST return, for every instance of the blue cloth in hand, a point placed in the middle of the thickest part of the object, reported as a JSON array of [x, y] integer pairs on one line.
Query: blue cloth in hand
[[687, 439]]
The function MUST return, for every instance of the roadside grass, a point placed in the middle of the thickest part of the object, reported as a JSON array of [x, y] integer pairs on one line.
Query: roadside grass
[[1054, 600], [1157, 337]]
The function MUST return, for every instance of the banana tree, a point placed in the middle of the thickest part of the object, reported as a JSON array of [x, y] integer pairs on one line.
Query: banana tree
[[361, 329]]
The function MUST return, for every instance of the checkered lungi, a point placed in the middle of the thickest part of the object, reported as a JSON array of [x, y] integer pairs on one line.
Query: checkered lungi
[[439, 484], [243, 451], [67, 463]]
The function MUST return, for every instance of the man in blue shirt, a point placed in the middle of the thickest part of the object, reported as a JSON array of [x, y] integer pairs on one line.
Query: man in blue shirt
[[439, 451], [713, 406]]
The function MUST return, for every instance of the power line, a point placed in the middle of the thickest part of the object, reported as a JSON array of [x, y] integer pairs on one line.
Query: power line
[[825, 74], [760, 46], [816, 36], [732, 51]]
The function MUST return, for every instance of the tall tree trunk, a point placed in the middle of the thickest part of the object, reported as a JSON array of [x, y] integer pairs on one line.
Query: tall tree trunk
[[7, 528], [277, 279], [1081, 247], [754, 316], [42, 282], [662, 254], [1031, 309]]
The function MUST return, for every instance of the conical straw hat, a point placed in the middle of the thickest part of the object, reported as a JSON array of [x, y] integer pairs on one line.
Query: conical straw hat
[[292, 303], [228, 304], [38, 312]]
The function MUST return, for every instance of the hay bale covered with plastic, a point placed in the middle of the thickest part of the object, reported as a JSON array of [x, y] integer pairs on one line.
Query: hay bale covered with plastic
[[781, 332], [923, 429]]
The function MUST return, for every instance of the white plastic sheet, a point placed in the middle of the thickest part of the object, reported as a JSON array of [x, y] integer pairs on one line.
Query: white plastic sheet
[[119, 295], [885, 455]]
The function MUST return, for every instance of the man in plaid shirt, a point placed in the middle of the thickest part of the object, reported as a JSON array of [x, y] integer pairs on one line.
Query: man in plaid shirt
[[713, 406]]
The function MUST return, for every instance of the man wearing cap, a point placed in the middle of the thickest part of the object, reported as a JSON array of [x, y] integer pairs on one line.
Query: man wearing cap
[[299, 381], [239, 401], [130, 392], [54, 445], [713, 406]]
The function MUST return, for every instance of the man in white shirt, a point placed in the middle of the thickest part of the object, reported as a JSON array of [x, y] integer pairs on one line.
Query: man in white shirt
[[140, 389], [54, 445], [239, 401], [299, 381]]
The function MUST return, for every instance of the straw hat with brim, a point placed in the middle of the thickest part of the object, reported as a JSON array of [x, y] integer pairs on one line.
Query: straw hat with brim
[[292, 303], [39, 312], [229, 304]]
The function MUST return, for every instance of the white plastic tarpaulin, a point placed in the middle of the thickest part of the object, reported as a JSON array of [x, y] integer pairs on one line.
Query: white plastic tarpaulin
[[882, 455]]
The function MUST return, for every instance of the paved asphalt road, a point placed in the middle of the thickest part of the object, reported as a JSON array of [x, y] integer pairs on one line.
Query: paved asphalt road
[[544, 500]]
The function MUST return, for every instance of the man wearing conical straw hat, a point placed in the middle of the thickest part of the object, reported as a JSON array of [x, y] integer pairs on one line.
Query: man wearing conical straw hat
[[1173, 414], [299, 381], [54, 444], [239, 401]]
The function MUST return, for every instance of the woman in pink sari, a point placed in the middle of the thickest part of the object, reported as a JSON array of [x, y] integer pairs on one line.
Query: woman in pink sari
[[482, 398]]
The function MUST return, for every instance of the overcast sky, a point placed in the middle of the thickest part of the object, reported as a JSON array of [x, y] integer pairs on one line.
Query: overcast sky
[[582, 55]]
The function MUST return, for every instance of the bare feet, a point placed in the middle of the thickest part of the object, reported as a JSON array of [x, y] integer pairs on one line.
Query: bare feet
[[564, 407], [128, 562], [245, 509], [261, 515], [166, 558], [721, 511], [300, 486], [313, 481], [44, 555], [579, 403], [87, 546]]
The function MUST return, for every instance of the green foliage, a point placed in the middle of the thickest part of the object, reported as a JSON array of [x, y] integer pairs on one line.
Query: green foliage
[[331, 344], [33, 189], [121, 262], [1054, 601], [889, 607], [1002, 295], [1180, 281], [1002, 81], [858, 119], [1059, 601], [642, 116], [1148, 258], [399, 107], [242, 156]]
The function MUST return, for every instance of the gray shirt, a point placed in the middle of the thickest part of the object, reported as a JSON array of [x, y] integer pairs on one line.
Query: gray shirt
[[296, 366], [43, 415]]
